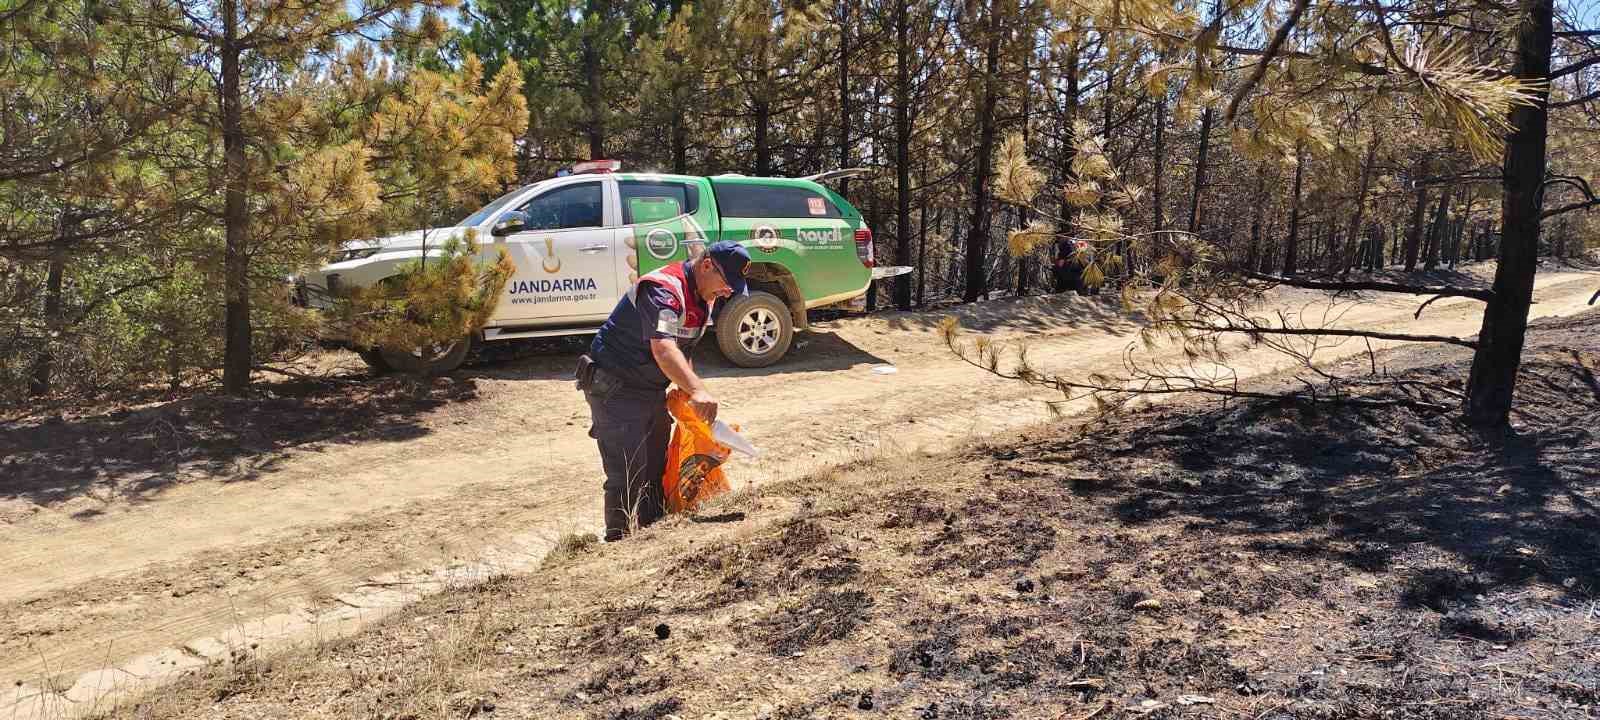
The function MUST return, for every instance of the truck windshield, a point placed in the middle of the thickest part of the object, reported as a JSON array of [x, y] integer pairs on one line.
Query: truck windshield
[[489, 210]]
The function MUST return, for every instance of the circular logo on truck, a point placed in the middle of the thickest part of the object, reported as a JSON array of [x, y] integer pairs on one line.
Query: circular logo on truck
[[764, 238], [661, 243]]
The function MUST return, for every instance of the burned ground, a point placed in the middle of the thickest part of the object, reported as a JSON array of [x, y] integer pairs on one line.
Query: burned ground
[[1262, 560]]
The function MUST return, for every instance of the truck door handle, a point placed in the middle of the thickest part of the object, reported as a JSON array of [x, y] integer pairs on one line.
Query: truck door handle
[[592, 249]]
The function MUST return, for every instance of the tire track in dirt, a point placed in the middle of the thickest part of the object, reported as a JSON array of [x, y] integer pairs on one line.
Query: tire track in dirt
[[323, 543]]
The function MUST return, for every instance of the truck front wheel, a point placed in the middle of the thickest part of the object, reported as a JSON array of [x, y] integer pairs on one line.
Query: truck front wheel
[[373, 357], [428, 361], [755, 330]]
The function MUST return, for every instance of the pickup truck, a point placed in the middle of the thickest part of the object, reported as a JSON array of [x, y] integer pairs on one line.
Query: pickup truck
[[581, 240]]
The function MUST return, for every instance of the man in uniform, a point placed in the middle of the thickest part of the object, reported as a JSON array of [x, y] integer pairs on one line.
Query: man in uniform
[[641, 348]]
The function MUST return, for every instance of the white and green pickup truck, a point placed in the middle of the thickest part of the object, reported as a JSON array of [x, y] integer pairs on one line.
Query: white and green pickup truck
[[581, 240]]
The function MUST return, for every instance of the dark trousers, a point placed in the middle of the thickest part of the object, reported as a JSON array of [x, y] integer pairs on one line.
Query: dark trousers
[[632, 428]]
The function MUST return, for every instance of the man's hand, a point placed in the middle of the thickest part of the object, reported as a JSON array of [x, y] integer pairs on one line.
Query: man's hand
[[676, 367], [704, 405]]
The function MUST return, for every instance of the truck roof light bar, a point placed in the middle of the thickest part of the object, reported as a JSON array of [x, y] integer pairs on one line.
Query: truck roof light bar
[[597, 167]]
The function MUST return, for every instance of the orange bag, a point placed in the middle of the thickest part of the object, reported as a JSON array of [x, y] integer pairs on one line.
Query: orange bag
[[694, 459]]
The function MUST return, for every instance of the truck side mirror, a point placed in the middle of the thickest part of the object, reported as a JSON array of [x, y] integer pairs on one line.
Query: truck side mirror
[[510, 223]]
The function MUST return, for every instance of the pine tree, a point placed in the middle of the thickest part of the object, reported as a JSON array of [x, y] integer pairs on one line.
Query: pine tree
[[299, 172], [84, 104], [579, 61]]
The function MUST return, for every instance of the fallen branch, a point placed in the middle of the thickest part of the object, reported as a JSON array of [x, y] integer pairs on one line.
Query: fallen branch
[[1163, 384], [1374, 285], [1387, 381], [1255, 331], [303, 376], [1093, 713]]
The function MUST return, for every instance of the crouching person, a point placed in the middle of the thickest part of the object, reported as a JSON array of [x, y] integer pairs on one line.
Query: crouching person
[[642, 348]]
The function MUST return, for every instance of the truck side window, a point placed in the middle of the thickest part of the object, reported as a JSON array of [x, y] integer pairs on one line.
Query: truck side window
[[646, 201], [573, 206], [772, 201]]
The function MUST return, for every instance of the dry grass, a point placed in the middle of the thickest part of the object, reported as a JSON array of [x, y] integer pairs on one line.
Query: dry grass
[[438, 670], [569, 546]]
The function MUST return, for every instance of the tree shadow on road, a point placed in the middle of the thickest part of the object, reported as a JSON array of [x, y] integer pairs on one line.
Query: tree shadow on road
[[132, 455], [818, 350], [556, 358]]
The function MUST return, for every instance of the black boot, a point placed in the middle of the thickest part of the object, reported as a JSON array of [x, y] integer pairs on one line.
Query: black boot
[[616, 516]]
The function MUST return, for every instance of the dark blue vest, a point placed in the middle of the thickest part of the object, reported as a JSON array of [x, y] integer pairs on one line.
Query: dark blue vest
[[622, 346]]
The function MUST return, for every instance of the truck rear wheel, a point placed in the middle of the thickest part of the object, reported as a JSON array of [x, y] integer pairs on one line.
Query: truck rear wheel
[[428, 361], [755, 330]]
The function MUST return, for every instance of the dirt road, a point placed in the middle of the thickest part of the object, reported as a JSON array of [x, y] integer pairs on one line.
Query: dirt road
[[135, 573]]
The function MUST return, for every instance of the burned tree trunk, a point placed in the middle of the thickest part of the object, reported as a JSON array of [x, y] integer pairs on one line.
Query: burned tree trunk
[[1414, 232], [844, 92], [44, 362], [1200, 171], [237, 356], [978, 235], [1498, 357], [593, 89], [902, 151], [1351, 259], [1025, 262], [922, 244], [1453, 253], [1061, 270], [1441, 218], [1253, 257], [1291, 248], [1161, 146]]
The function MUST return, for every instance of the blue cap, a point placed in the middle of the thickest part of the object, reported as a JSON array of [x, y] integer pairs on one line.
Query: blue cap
[[733, 259]]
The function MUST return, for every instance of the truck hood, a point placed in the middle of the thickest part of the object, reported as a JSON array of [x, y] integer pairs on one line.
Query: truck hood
[[414, 239]]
